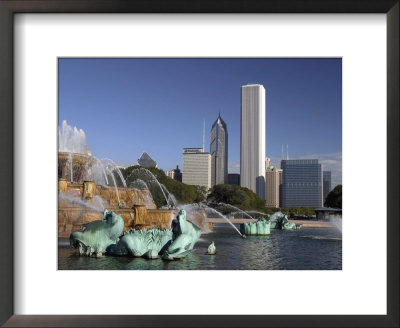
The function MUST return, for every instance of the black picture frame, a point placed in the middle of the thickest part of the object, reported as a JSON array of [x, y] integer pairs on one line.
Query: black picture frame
[[10, 7]]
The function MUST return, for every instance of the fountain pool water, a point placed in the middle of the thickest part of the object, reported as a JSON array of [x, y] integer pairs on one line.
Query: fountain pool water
[[307, 249]]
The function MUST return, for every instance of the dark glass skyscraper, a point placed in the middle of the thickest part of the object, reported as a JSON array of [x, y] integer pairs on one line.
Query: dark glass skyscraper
[[219, 152], [301, 183], [327, 183]]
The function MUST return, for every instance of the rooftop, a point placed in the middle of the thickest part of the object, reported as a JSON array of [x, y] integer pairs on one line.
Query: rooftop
[[146, 161], [327, 209]]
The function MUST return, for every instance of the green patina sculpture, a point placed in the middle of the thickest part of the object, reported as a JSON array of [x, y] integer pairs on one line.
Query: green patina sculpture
[[260, 227], [282, 222], [146, 243], [102, 236], [186, 235], [171, 243], [96, 236], [211, 249]]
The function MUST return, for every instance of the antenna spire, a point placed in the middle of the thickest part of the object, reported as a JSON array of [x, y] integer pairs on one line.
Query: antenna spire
[[287, 151], [282, 153]]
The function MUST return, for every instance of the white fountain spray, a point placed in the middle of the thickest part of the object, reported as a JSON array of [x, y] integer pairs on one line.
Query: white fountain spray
[[336, 221], [238, 210], [111, 163], [99, 165], [71, 139], [152, 179], [207, 208], [257, 212], [97, 203], [70, 167], [115, 183], [171, 198]]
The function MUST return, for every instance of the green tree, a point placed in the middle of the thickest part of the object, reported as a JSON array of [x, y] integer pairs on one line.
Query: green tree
[[237, 196], [183, 193], [334, 198]]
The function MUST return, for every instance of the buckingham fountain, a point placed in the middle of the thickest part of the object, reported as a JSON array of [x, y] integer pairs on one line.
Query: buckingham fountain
[[102, 215]]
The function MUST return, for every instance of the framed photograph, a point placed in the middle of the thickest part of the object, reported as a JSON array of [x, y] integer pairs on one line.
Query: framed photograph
[[182, 164]]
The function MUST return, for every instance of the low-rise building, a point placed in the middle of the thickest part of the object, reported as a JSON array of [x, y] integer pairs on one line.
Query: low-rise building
[[196, 168], [175, 174], [273, 182]]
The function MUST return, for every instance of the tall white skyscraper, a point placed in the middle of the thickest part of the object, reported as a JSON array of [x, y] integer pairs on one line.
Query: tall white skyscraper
[[252, 139]]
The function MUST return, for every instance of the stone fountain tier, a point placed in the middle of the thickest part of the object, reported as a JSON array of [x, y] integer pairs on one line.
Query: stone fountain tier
[[80, 163], [81, 203], [75, 218], [105, 196]]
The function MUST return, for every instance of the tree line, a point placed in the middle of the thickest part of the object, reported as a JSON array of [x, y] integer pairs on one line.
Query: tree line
[[240, 197]]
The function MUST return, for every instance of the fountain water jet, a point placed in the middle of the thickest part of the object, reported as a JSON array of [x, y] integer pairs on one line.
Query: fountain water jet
[[70, 167], [221, 215], [112, 164], [336, 221], [115, 185], [76, 200], [151, 177], [256, 212], [238, 210]]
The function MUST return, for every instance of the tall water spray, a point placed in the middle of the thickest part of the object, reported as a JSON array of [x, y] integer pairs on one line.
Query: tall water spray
[[72, 140], [102, 171]]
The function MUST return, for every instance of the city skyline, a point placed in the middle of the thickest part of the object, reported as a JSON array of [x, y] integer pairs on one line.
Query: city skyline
[[158, 106]]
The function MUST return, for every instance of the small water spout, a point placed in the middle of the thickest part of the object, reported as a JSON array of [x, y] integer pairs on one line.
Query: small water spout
[[115, 185], [256, 212], [96, 205], [70, 167]]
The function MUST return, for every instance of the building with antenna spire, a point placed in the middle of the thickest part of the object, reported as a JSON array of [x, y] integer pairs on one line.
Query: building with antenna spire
[[219, 152]]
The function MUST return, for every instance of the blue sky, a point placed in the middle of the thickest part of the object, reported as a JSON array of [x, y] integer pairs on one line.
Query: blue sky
[[127, 106]]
